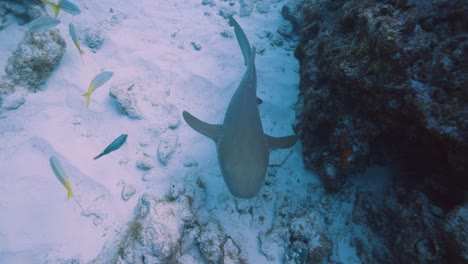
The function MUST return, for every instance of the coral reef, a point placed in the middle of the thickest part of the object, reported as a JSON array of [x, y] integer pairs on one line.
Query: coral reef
[[126, 96], [22, 9], [456, 232], [169, 230], [394, 71], [35, 57], [413, 226], [302, 234], [33, 61], [384, 82]]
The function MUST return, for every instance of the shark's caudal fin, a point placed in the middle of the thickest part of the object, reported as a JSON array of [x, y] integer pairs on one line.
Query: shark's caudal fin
[[209, 130], [281, 142], [251, 61], [241, 39], [87, 96]]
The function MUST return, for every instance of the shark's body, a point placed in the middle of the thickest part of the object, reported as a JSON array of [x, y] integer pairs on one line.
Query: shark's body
[[243, 149]]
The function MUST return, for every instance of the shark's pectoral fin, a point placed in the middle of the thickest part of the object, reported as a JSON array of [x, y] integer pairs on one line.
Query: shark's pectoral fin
[[281, 142], [210, 130]]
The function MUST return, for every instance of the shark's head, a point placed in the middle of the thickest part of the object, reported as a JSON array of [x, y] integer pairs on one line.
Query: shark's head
[[244, 186], [244, 174]]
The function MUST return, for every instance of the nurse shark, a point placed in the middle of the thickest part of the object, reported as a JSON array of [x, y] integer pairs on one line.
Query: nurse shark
[[242, 146]]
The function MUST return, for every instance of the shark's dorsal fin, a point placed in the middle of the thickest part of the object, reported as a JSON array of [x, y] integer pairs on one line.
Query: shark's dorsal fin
[[210, 130], [281, 142]]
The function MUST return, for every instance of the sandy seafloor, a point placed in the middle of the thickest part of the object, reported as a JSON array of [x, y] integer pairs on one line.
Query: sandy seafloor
[[147, 44]]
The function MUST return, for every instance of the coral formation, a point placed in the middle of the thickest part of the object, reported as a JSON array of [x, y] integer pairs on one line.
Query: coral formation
[[168, 230], [383, 82], [394, 70], [33, 61], [36, 56], [126, 96]]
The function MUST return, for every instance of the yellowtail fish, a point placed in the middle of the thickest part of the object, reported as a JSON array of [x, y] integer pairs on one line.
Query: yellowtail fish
[[69, 7], [71, 28], [62, 177], [115, 145], [52, 5], [99, 80], [42, 23], [65, 5]]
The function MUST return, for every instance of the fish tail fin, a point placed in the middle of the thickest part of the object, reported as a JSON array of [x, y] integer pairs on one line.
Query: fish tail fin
[[87, 96], [98, 156], [231, 20], [56, 10], [70, 193], [54, 7], [78, 203]]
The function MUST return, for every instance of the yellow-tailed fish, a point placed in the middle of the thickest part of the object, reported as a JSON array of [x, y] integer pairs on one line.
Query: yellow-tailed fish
[[55, 7], [65, 5], [99, 80], [115, 145], [71, 28], [69, 7], [62, 177], [42, 23]]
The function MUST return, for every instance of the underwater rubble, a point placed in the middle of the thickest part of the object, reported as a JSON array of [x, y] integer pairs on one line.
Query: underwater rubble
[[35, 57], [384, 82], [169, 230]]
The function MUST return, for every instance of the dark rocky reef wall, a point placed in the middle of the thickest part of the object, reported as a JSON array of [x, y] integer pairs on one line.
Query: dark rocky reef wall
[[382, 81], [385, 82]]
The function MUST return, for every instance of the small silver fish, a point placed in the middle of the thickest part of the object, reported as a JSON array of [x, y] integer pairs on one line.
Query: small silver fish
[[42, 23]]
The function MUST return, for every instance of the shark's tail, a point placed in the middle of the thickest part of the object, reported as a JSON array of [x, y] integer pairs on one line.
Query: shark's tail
[[88, 98], [252, 57], [241, 39]]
